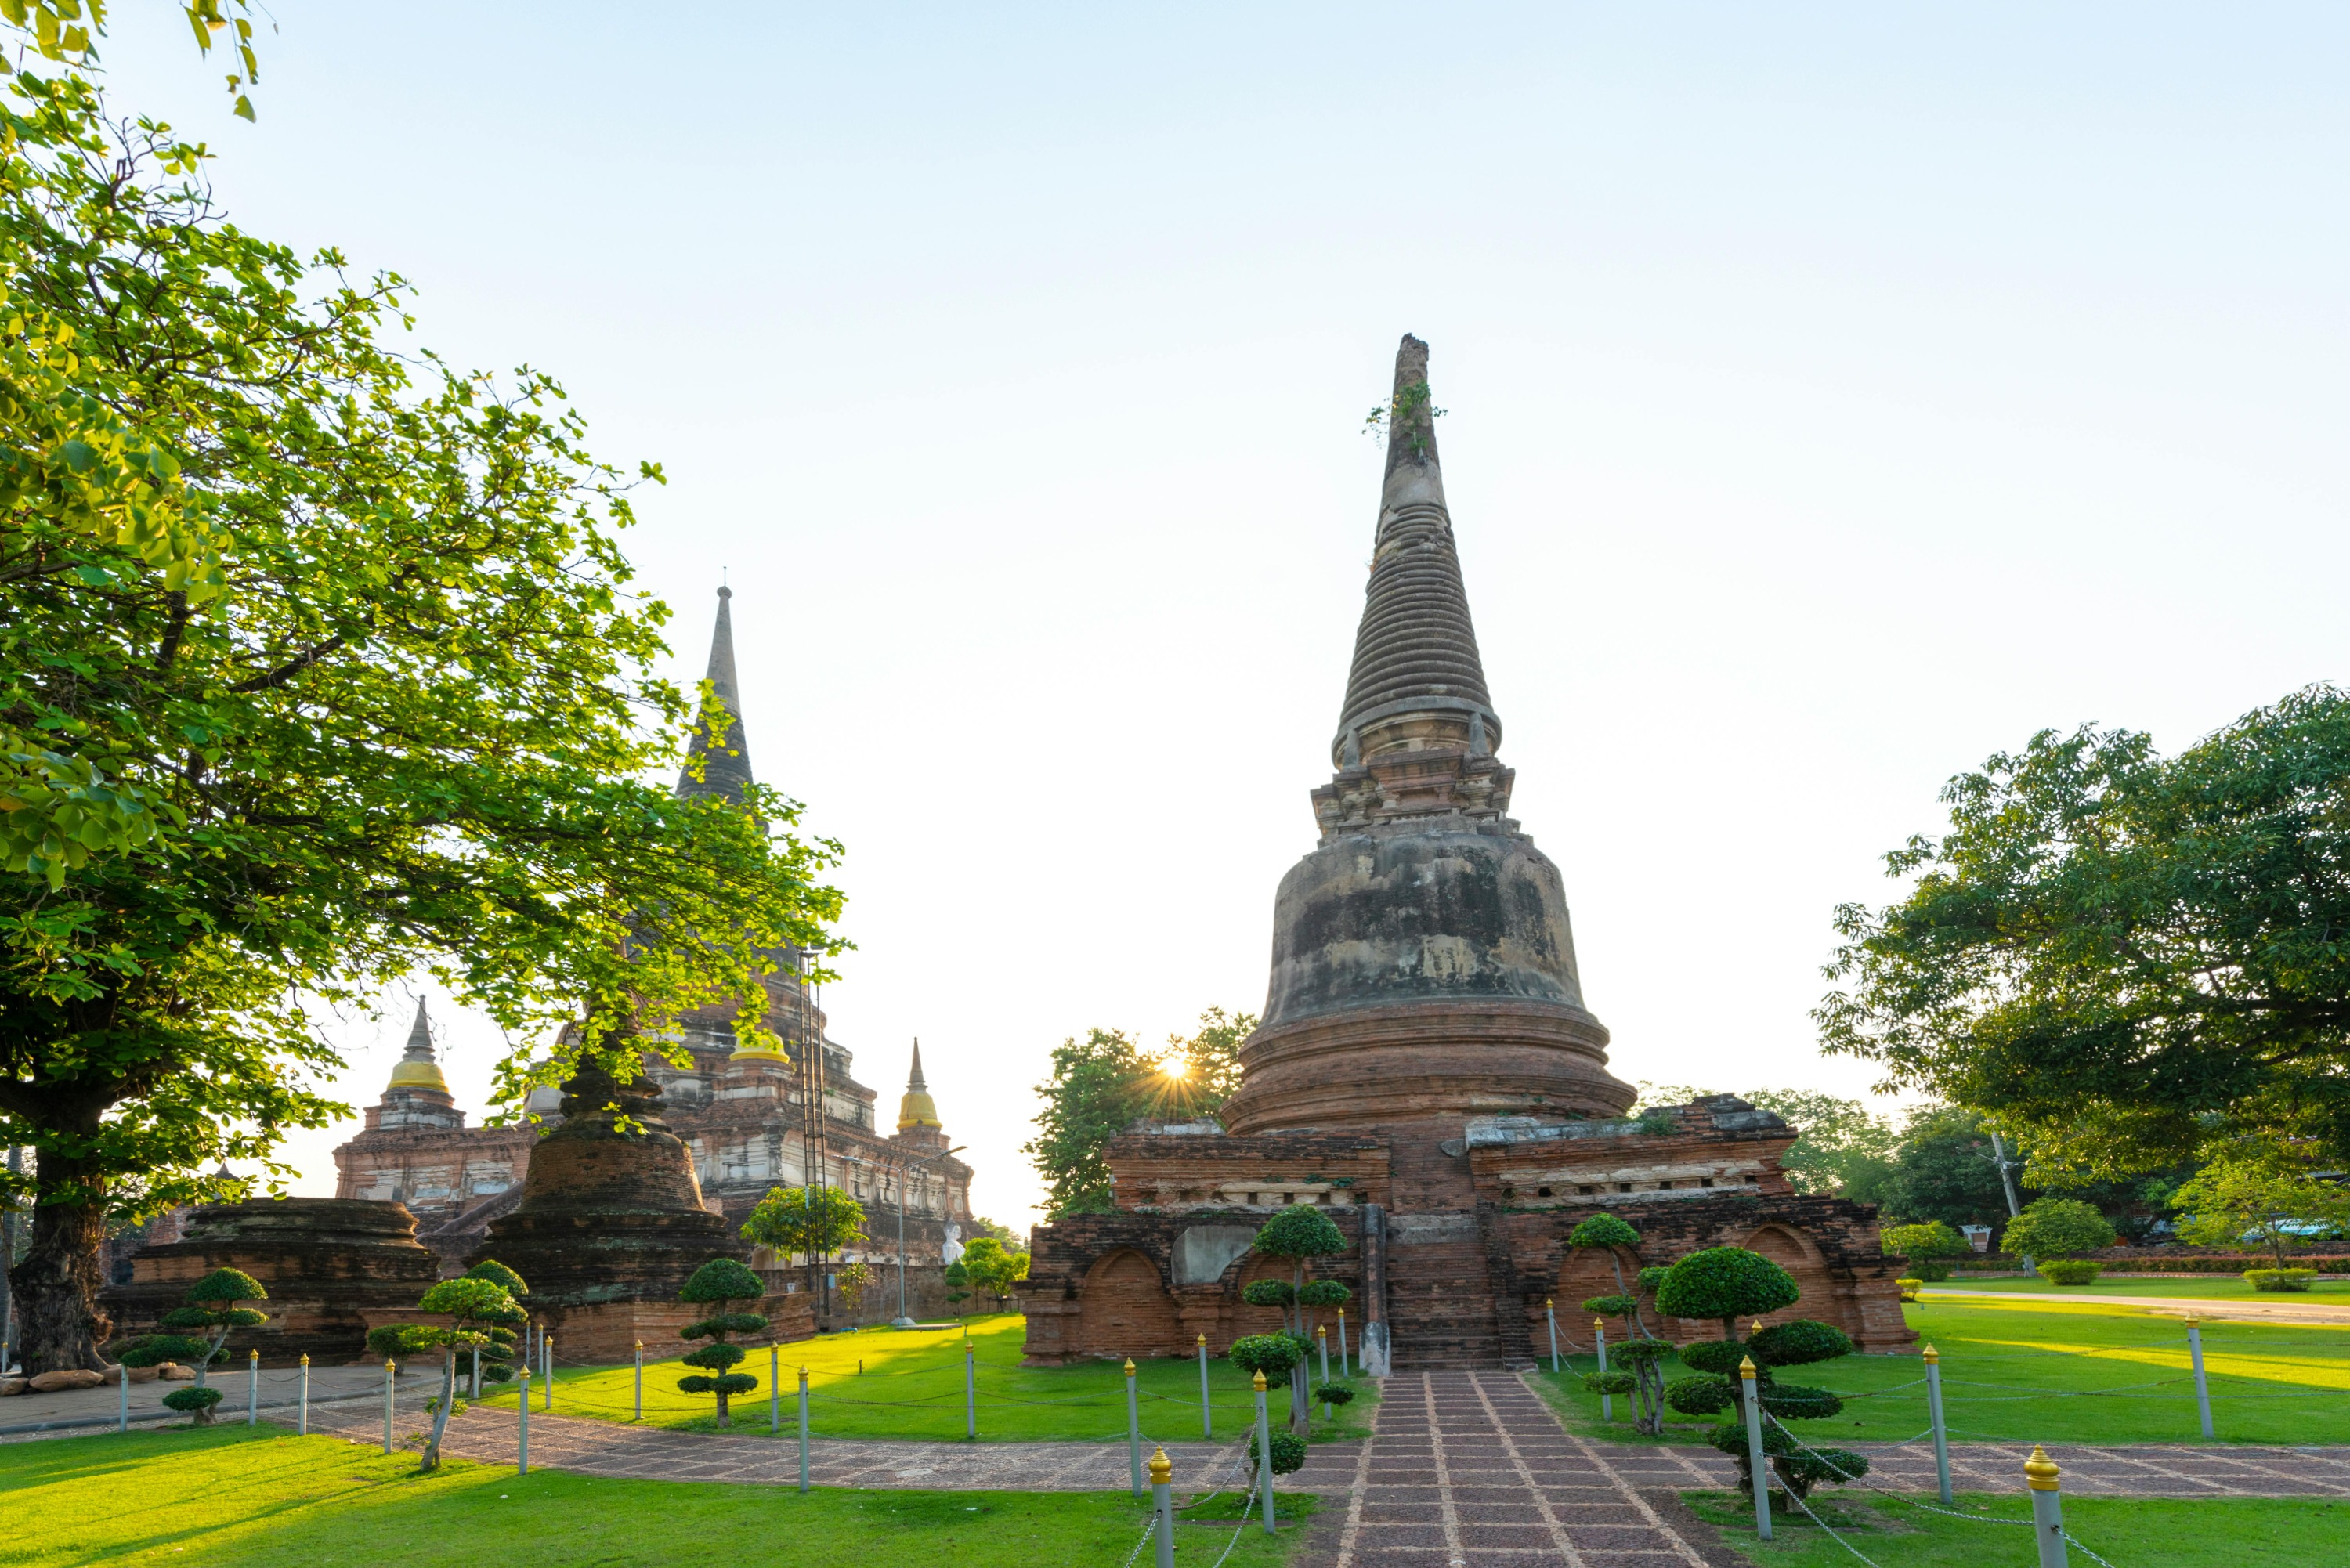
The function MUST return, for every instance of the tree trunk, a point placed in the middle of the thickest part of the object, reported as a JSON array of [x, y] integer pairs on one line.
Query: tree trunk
[[441, 1416], [56, 1284], [723, 1419], [1617, 1264]]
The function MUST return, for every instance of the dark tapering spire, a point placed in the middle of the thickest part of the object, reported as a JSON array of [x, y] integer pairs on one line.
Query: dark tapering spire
[[1417, 679], [718, 728]]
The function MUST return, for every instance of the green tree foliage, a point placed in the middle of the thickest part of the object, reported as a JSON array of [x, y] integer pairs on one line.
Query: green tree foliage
[[957, 1279], [994, 1270], [1944, 1169], [482, 1313], [1300, 1235], [2053, 1227], [196, 1334], [1929, 1247], [806, 1221], [1013, 1240], [2271, 1193], [1271, 1354], [2122, 953], [1288, 1452], [318, 664], [1731, 1283], [719, 1284], [1844, 1149], [1104, 1084]]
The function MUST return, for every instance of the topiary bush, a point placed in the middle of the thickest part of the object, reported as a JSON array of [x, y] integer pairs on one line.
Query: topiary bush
[[201, 1330], [2280, 1279], [1605, 1234], [1612, 1306], [1910, 1288], [2052, 1226], [1641, 1362], [500, 1330], [476, 1308], [1271, 1354], [1731, 1283], [1299, 1233], [2068, 1270], [721, 1283], [1288, 1452], [1929, 1247]]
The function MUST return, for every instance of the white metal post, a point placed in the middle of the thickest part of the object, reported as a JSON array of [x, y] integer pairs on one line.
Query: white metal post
[[252, 1386], [122, 1400], [1606, 1400], [391, 1372], [1550, 1316], [1133, 1429], [2202, 1389], [1322, 1340], [969, 1395], [640, 1382], [521, 1430], [775, 1388], [1342, 1343], [2040, 1474], [1755, 1462], [1207, 1413], [1162, 1503], [1941, 1427], [1264, 1452], [547, 1366], [474, 1384], [804, 1428], [302, 1399]]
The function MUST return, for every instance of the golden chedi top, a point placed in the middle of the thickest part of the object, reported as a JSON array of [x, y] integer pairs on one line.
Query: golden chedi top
[[917, 1109], [416, 1068]]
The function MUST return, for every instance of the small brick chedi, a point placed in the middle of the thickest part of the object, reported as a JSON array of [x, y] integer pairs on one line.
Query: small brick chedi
[[1426, 1069]]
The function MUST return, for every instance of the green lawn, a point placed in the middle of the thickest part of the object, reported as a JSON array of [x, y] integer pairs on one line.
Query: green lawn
[[2199, 1533], [911, 1386], [2214, 1287], [2061, 1372], [270, 1499]]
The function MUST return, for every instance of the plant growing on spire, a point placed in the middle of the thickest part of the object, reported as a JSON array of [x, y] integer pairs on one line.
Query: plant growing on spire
[[721, 1283], [201, 1328]]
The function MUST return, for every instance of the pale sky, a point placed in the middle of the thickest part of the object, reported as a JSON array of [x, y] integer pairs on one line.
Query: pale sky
[[1835, 395]]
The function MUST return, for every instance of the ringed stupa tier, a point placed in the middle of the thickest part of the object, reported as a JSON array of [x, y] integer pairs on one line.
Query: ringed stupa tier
[[1423, 961]]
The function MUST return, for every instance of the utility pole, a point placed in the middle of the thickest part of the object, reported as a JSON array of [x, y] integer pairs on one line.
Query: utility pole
[[8, 1263], [2007, 1180]]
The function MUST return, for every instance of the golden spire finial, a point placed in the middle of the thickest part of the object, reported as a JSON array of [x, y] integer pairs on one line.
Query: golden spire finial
[[1746, 1368], [1130, 1367], [1257, 1382], [1162, 1469], [1931, 1355], [2040, 1471]]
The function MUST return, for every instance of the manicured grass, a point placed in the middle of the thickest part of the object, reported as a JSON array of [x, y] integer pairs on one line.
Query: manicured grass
[[2032, 1371], [269, 1500], [911, 1386], [2213, 1287], [2199, 1533]]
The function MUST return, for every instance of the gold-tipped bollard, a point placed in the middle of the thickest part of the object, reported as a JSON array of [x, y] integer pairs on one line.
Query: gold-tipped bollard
[[1750, 1397], [1942, 1430], [2046, 1483], [1600, 1337], [1133, 1429], [1162, 1474], [1264, 1449]]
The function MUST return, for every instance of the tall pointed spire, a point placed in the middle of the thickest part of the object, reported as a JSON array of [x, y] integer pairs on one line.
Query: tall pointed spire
[[417, 1068], [1417, 679], [917, 1109], [718, 728]]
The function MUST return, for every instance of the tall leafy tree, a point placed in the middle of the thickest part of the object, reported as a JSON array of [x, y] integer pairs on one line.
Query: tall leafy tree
[[2269, 1193], [318, 664], [1945, 1169], [2126, 954], [1104, 1084]]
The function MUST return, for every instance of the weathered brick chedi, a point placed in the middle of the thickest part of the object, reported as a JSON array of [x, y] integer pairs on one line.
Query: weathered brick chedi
[[1426, 1067]]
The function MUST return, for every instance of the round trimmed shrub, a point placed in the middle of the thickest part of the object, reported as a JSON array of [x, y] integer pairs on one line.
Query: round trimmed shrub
[[1612, 1306], [1269, 1292], [1288, 1451], [1798, 1343], [2280, 1279], [1725, 1282], [1719, 1356], [2068, 1270], [1610, 1382], [1793, 1402], [1271, 1354], [1703, 1395], [1910, 1288], [1603, 1231], [1639, 1352], [1334, 1394], [194, 1401], [1652, 1276], [1325, 1294]]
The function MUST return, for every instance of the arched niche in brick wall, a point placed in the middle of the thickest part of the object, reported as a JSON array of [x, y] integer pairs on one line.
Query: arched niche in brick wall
[[1126, 1310]]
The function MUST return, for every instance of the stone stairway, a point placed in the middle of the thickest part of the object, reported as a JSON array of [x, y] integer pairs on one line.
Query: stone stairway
[[1439, 1296]]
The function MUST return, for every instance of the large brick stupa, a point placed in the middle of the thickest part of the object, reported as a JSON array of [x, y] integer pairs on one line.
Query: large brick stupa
[[1426, 1069]]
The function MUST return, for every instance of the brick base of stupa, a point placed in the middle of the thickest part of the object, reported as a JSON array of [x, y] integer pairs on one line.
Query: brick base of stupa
[[1454, 1244]]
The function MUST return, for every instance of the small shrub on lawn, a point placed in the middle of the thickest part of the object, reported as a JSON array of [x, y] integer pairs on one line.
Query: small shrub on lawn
[[2068, 1271], [721, 1283], [1288, 1452], [2280, 1279], [1910, 1288], [201, 1330], [1271, 1354]]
